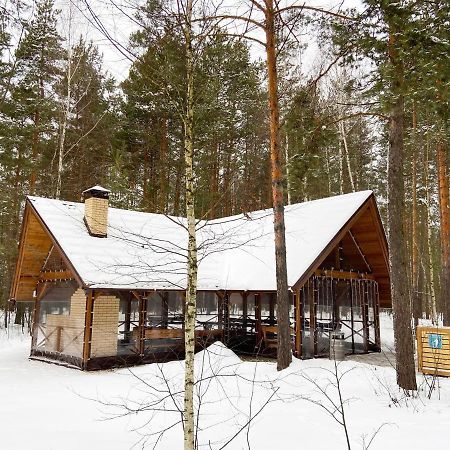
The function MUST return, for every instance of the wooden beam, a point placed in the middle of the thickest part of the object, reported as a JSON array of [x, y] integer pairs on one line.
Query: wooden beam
[[36, 314], [376, 311], [89, 313], [298, 324], [47, 258], [164, 309], [23, 232], [127, 322], [136, 295], [272, 301], [368, 209], [359, 250], [365, 317], [142, 324], [226, 316], [312, 317], [331, 245], [343, 275], [338, 256], [245, 310], [258, 316], [220, 297], [51, 275], [56, 244], [352, 314]]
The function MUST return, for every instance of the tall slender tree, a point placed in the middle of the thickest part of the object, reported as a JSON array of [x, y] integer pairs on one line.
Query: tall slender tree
[[383, 32]]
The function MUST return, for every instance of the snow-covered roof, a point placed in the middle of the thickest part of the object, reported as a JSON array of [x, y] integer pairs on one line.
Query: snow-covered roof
[[148, 251]]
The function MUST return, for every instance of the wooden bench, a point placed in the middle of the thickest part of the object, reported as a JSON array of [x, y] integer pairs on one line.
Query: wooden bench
[[173, 333], [270, 335], [208, 333], [159, 333]]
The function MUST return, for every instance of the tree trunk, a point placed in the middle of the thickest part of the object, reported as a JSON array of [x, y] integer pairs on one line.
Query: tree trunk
[[191, 291], [288, 182], [62, 137], [416, 308], [226, 199], [327, 162], [444, 230], [432, 293], [347, 156], [284, 354], [214, 181], [404, 346], [34, 150], [178, 181], [163, 154]]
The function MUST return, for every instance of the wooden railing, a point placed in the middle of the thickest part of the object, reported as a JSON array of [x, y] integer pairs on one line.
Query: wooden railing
[[172, 333]]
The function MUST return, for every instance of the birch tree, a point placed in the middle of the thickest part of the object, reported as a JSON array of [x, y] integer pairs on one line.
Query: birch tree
[[191, 290]]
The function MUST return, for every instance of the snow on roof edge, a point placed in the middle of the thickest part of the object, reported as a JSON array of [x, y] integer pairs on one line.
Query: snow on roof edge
[[297, 214]]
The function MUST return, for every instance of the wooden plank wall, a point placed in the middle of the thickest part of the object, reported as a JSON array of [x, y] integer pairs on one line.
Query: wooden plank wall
[[433, 361]]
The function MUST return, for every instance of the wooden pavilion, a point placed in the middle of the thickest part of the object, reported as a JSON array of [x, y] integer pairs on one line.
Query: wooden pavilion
[[108, 285]]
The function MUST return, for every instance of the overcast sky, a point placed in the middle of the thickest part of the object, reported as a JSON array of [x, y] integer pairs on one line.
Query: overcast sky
[[120, 27]]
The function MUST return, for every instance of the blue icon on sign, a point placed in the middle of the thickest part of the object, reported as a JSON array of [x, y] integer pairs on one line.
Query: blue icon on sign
[[435, 341]]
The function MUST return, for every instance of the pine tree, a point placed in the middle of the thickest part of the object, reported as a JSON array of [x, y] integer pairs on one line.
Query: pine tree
[[89, 118], [28, 115], [384, 33], [38, 70]]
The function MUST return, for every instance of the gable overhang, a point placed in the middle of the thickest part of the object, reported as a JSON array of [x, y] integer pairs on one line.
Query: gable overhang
[[35, 243], [366, 227]]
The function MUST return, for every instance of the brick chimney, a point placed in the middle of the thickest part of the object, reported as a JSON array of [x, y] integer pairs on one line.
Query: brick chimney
[[96, 201]]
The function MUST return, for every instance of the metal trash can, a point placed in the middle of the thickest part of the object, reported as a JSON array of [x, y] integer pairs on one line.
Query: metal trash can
[[337, 346]]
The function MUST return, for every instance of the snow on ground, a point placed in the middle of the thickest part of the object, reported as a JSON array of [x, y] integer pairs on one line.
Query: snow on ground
[[44, 406]]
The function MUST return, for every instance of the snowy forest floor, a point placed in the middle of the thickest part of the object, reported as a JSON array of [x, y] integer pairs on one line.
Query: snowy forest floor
[[44, 406]]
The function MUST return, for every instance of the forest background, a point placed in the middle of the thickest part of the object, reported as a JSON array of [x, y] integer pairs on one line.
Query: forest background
[[66, 124]]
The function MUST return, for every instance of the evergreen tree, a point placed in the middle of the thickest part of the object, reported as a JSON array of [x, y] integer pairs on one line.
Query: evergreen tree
[[28, 116], [384, 33], [34, 103], [90, 143], [228, 121]]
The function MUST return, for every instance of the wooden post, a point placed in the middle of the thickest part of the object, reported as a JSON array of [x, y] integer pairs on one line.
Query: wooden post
[[220, 296], [58, 347], [352, 318], [35, 329], [258, 317], [312, 316], [41, 291], [419, 334], [226, 315], [298, 324], [376, 314], [335, 299], [164, 309], [244, 311], [272, 300], [89, 317], [127, 324], [365, 311], [142, 324]]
